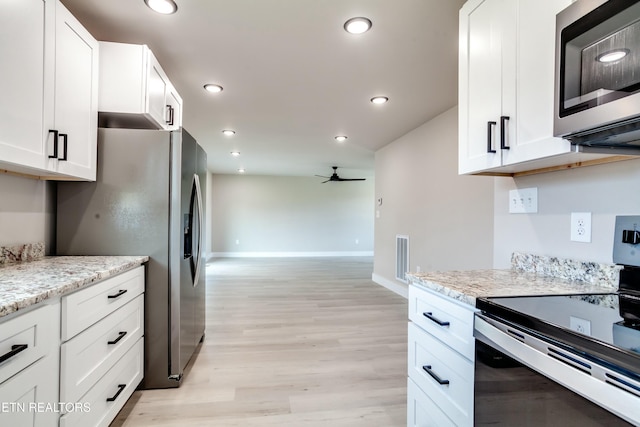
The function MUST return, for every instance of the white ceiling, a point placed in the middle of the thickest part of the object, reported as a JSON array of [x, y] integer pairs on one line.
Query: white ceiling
[[292, 77]]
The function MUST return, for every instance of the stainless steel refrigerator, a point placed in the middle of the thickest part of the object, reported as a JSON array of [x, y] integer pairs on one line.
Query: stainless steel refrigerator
[[147, 200]]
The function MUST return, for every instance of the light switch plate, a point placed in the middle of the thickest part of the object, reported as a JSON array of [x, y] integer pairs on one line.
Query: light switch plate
[[523, 200]]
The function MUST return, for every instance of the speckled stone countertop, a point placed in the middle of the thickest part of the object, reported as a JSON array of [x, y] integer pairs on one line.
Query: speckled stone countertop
[[529, 275], [27, 283]]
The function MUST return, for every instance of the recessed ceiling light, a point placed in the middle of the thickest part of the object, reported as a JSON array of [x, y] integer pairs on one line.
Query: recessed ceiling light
[[229, 132], [166, 7], [357, 25], [209, 87], [241, 170], [235, 153], [612, 55], [341, 138], [379, 99]]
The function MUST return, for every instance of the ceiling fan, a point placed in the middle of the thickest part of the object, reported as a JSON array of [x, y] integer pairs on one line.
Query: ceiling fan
[[335, 177]]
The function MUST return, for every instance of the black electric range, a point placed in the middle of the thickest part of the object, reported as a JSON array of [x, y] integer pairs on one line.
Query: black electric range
[[595, 334]]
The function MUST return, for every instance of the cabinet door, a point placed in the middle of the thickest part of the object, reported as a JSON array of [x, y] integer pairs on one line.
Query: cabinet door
[[174, 121], [480, 83], [75, 113], [21, 84], [30, 398], [157, 85], [535, 55]]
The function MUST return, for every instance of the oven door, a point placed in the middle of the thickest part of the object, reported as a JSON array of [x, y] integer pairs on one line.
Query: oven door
[[528, 392], [597, 62]]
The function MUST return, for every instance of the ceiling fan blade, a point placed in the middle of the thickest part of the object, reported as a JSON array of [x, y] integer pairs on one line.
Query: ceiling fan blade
[[325, 181], [352, 179], [322, 176]]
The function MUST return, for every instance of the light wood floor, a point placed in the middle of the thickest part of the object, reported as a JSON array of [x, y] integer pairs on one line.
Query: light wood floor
[[290, 342]]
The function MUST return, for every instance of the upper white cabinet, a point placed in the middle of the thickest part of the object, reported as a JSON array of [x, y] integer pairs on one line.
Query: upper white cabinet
[[75, 99], [134, 90], [22, 43], [506, 88], [49, 81]]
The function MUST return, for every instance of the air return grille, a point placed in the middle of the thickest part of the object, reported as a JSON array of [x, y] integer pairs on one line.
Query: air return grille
[[402, 257]]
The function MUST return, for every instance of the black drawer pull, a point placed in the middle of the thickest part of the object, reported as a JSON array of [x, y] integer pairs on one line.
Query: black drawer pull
[[429, 315], [120, 292], [427, 369], [65, 146], [490, 126], [120, 336], [15, 349], [503, 131], [115, 396], [55, 144]]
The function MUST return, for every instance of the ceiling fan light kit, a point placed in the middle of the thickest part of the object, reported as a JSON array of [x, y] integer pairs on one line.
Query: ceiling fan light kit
[[335, 178]]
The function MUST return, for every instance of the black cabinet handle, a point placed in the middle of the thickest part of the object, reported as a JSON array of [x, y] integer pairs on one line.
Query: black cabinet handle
[[115, 396], [120, 336], [503, 127], [429, 315], [120, 292], [170, 113], [15, 349], [489, 134], [65, 146], [427, 369], [55, 143]]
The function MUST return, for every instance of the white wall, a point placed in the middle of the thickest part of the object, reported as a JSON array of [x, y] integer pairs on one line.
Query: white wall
[[27, 211], [448, 218], [604, 190], [277, 215]]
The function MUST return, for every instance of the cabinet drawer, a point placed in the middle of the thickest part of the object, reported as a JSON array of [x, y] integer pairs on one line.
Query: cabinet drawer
[[427, 308], [421, 411], [31, 397], [111, 392], [27, 337], [426, 353], [84, 359], [85, 307]]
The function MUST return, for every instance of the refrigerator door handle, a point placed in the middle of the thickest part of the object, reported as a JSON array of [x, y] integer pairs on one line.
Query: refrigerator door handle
[[196, 179]]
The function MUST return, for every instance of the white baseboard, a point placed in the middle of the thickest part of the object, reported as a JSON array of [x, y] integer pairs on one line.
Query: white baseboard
[[286, 254], [401, 289]]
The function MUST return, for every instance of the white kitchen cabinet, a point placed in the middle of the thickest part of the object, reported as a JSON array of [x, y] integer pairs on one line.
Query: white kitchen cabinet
[[506, 88], [174, 109], [22, 46], [102, 350], [74, 114], [134, 89], [29, 372], [441, 357], [49, 80]]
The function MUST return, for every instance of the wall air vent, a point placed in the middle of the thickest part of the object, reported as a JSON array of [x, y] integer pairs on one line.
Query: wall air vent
[[402, 257]]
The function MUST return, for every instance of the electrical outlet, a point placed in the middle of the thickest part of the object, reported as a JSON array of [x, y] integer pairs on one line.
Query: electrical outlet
[[582, 326], [523, 200], [418, 269], [581, 227], [357, 241]]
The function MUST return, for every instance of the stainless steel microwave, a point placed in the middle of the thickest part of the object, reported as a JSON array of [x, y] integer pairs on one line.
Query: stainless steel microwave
[[597, 76]]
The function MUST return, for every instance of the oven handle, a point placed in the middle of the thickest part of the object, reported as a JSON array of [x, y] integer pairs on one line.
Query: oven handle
[[618, 401]]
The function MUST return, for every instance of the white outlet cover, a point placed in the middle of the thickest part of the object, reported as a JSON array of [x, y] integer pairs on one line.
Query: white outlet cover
[[581, 227]]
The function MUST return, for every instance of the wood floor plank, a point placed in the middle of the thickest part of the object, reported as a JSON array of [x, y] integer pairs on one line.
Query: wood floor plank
[[290, 342]]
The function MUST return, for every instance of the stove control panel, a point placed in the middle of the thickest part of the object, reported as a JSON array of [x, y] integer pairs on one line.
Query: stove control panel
[[626, 242]]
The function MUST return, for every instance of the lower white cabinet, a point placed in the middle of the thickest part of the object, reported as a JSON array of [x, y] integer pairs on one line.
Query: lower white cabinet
[[422, 411], [29, 368], [441, 352], [102, 353]]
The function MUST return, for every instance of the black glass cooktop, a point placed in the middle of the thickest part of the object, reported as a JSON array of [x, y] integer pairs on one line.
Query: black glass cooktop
[[601, 327]]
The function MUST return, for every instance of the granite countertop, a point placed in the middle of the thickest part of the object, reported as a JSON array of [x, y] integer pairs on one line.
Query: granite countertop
[[529, 275], [26, 283], [466, 286]]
